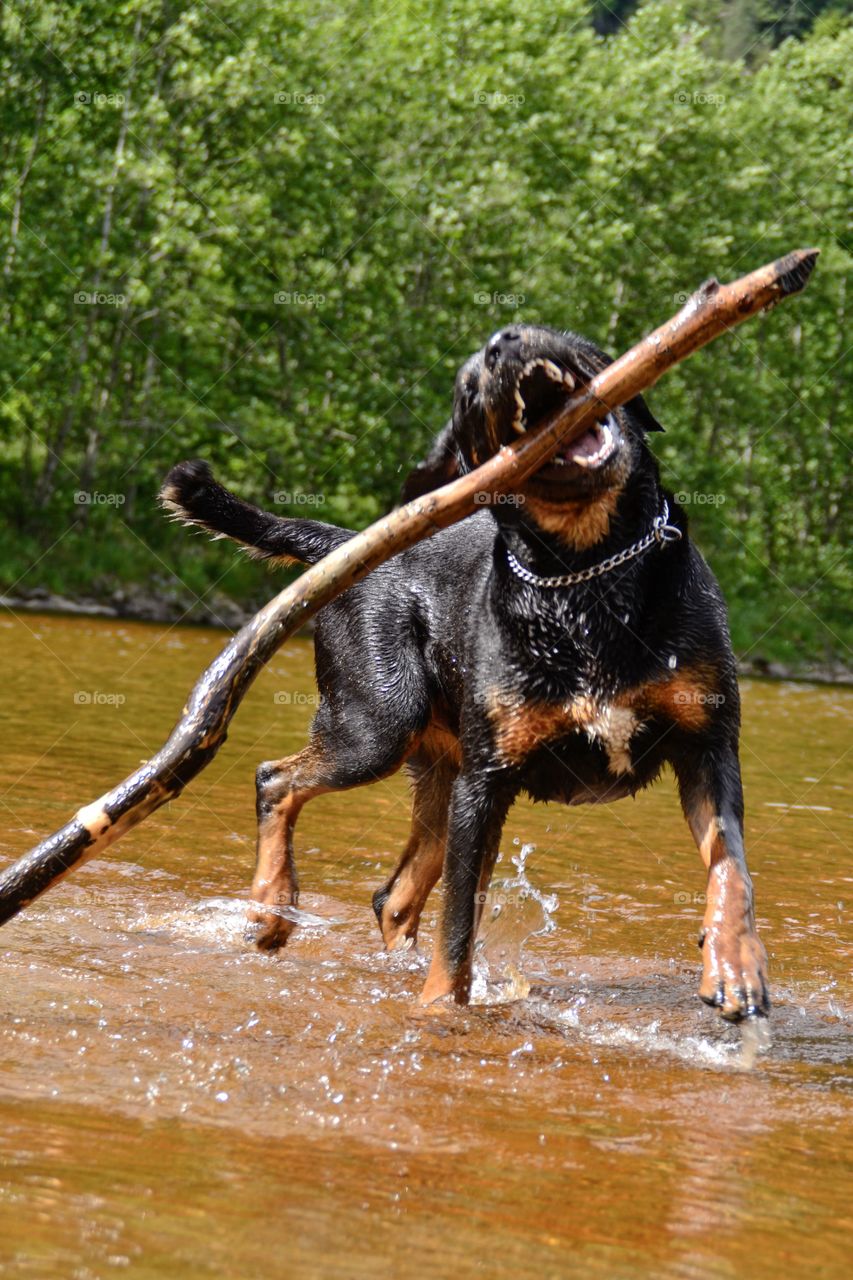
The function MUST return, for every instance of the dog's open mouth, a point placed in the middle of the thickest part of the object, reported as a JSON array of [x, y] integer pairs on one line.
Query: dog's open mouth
[[541, 388], [591, 450]]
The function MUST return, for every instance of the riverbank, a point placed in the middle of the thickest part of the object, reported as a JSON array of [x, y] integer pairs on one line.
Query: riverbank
[[138, 604]]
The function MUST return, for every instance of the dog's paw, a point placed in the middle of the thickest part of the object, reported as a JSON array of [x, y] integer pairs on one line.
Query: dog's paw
[[398, 934], [267, 930], [398, 924], [734, 977]]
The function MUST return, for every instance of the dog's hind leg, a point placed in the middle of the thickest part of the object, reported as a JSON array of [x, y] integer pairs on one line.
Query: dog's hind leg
[[399, 903], [283, 787]]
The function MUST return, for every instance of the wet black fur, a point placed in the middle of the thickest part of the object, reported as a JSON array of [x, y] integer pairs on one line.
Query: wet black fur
[[431, 634]]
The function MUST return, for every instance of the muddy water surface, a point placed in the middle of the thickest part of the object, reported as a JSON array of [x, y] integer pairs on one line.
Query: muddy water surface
[[174, 1105]]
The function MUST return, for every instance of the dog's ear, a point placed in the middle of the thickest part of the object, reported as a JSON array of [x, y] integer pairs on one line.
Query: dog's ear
[[643, 414], [440, 466]]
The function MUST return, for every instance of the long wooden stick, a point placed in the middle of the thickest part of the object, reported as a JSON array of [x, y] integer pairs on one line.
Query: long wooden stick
[[201, 729]]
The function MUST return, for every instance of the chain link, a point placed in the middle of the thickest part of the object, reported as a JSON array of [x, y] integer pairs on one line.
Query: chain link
[[661, 532]]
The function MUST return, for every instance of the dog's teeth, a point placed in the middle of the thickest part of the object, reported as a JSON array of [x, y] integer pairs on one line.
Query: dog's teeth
[[552, 371], [518, 423], [602, 451]]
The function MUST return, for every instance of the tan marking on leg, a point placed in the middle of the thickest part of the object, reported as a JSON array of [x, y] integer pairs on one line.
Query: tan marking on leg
[[275, 882], [439, 741], [288, 785], [414, 879], [402, 912], [708, 828], [734, 961], [419, 867], [440, 981]]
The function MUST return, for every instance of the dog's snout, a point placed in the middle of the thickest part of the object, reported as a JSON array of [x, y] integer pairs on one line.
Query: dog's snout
[[501, 344]]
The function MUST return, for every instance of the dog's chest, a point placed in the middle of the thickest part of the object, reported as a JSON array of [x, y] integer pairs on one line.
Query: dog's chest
[[613, 726], [603, 736], [523, 726]]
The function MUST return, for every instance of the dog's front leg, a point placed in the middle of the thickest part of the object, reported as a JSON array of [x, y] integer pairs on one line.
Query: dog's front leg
[[478, 807], [734, 977]]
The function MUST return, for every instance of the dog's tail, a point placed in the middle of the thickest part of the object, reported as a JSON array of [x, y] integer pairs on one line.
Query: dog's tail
[[191, 495]]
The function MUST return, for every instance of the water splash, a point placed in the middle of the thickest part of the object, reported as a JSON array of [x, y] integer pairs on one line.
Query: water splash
[[307, 919], [212, 920], [513, 912], [221, 920], [755, 1038]]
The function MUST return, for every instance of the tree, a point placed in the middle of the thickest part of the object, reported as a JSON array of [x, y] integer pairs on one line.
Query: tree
[[296, 224]]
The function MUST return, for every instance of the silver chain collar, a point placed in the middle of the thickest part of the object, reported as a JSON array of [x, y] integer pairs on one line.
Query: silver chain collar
[[661, 532]]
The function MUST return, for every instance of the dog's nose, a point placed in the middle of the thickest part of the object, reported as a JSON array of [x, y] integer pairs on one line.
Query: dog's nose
[[501, 344]]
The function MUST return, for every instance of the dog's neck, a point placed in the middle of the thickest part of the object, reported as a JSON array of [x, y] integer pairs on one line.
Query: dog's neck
[[550, 541], [572, 633]]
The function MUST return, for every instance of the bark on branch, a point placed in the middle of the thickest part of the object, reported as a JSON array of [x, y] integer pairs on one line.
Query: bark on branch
[[202, 727]]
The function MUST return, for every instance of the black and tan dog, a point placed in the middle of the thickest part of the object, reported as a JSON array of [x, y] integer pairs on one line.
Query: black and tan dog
[[567, 643]]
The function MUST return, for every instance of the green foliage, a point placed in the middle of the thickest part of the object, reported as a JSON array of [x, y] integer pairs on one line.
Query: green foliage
[[737, 29], [300, 220]]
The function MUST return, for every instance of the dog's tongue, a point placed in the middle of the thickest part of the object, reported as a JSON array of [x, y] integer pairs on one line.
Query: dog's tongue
[[586, 446]]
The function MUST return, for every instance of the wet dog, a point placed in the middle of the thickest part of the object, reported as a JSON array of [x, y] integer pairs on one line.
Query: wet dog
[[565, 642]]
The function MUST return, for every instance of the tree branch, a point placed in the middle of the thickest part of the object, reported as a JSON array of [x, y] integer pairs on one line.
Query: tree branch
[[202, 728]]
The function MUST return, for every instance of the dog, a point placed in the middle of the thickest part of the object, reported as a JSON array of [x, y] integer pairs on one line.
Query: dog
[[566, 642]]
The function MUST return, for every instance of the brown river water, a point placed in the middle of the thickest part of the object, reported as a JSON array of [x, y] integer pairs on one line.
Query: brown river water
[[173, 1104]]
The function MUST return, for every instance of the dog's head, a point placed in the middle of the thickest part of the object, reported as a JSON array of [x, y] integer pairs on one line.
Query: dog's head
[[523, 373]]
